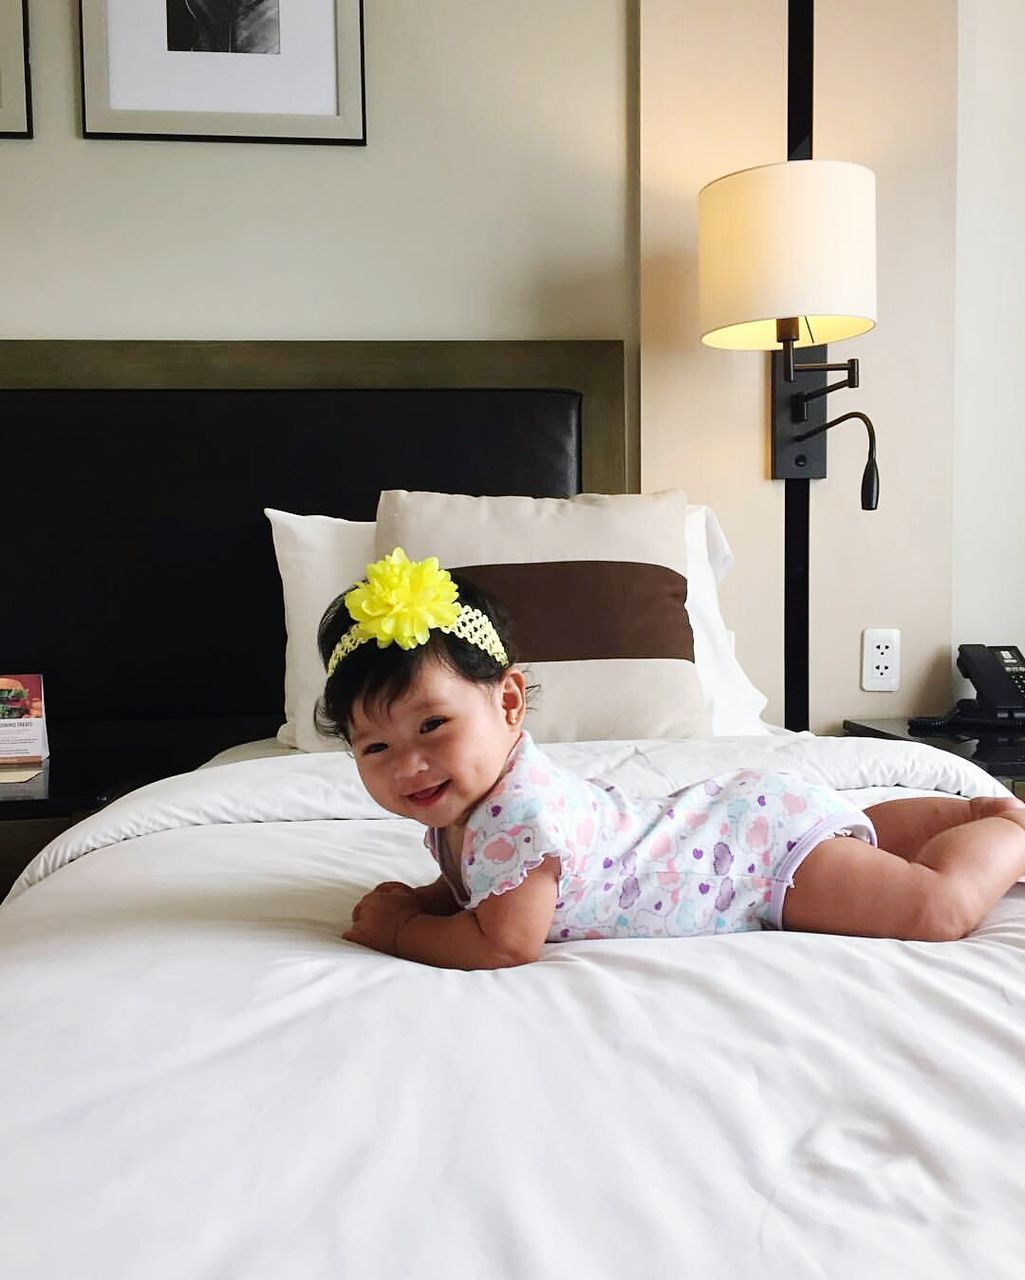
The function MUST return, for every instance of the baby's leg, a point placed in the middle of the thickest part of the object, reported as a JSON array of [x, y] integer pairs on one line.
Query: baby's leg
[[904, 827], [847, 886]]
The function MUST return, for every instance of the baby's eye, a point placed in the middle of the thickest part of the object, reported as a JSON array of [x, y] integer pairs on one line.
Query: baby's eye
[[434, 722], [374, 748]]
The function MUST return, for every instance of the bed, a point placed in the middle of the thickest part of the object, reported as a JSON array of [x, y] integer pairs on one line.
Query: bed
[[201, 1079]]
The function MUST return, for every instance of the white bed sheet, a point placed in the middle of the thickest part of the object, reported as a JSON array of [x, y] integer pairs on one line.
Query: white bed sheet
[[201, 1080]]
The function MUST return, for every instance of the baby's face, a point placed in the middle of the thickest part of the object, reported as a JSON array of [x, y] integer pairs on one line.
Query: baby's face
[[440, 748]]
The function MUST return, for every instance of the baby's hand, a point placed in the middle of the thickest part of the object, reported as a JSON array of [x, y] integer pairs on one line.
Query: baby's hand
[[433, 899], [395, 886], [380, 914]]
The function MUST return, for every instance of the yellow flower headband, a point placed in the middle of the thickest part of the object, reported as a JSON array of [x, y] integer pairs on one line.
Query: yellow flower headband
[[402, 601]]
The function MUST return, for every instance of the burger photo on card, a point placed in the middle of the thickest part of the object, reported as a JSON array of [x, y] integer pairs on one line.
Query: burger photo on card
[[21, 697]]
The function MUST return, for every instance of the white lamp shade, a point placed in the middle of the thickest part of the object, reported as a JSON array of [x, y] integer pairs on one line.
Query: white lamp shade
[[783, 241]]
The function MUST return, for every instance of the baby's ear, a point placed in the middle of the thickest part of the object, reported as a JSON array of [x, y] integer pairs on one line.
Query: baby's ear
[[514, 696]]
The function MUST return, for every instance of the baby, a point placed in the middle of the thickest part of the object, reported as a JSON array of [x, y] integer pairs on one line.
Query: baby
[[421, 683]]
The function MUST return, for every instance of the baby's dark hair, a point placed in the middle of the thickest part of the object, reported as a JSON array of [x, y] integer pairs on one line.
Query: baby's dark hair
[[379, 677]]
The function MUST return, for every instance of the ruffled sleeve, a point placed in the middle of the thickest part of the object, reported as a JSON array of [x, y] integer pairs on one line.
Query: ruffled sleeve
[[514, 828]]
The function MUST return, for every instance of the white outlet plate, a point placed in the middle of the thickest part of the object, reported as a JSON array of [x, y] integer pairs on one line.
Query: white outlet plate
[[880, 659]]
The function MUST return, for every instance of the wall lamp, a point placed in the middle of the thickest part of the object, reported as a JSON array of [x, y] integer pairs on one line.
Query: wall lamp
[[786, 260]]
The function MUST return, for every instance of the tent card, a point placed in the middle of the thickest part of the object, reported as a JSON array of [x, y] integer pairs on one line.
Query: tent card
[[22, 720]]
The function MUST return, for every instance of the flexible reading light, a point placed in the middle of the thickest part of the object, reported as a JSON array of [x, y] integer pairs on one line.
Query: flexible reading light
[[870, 476]]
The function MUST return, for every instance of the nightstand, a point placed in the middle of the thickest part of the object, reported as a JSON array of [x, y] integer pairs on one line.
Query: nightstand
[[92, 763], [1001, 754], [32, 813]]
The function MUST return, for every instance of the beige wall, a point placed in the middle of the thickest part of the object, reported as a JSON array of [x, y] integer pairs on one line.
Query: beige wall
[[713, 100], [492, 200], [497, 198], [989, 451]]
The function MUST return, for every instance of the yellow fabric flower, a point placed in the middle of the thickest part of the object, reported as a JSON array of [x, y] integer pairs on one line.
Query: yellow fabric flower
[[402, 600]]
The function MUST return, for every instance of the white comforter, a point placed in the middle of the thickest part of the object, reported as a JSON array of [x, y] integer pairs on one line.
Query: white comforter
[[200, 1080]]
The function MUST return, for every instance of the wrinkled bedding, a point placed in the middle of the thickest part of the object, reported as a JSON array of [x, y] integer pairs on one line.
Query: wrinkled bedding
[[200, 1079]]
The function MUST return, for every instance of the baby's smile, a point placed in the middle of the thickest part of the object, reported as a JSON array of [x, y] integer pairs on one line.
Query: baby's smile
[[428, 795]]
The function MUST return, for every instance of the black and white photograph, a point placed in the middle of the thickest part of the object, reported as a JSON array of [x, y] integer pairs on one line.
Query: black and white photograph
[[166, 69], [15, 81], [223, 26]]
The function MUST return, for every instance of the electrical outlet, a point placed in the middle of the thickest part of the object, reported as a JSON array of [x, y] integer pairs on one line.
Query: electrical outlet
[[880, 659]]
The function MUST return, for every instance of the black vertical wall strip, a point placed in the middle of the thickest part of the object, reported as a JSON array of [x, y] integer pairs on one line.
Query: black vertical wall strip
[[800, 77], [800, 97]]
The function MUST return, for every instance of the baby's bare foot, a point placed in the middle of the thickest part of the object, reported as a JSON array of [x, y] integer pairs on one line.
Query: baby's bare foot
[[994, 806]]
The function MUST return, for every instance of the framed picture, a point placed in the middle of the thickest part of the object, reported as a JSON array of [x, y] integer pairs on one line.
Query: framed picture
[[224, 70], [15, 85]]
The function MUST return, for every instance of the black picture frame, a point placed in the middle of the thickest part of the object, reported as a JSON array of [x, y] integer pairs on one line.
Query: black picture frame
[[134, 83], [15, 73]]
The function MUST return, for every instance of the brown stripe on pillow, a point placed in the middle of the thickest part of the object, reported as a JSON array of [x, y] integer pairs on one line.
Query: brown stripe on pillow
[[572, 610]]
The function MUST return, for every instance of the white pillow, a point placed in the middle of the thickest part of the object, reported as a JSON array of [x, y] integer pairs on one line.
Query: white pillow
[[318, 557], [736, 705], [605, 639], [321, 556]]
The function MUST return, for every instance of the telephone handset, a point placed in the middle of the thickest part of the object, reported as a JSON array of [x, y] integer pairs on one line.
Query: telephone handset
[[998, 673]]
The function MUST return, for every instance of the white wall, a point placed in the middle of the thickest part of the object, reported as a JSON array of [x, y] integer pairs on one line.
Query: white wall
[[989, 451], [713, 100], [492, 200]]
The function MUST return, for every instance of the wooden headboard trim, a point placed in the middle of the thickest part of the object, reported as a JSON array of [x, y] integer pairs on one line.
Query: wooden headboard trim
[[593, 367]]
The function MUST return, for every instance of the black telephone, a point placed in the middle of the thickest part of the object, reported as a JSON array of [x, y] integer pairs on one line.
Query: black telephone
[[998, 673]]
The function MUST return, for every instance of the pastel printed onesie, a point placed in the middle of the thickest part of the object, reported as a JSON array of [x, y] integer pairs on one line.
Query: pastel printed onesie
[[715, 857]]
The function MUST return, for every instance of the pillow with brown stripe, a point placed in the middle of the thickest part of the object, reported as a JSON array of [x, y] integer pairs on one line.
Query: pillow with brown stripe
[[596, 590]]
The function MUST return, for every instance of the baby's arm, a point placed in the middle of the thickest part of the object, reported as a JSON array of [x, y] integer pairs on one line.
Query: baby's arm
[[504, 930], [437, 898]]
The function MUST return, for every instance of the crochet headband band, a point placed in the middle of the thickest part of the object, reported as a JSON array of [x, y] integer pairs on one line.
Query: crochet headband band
[[402, 601]]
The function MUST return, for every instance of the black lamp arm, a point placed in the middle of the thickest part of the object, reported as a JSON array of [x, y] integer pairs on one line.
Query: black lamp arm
[[870, 478], [801, 399]]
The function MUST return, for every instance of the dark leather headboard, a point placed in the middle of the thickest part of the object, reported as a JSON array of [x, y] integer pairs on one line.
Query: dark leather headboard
[[140, 575]]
